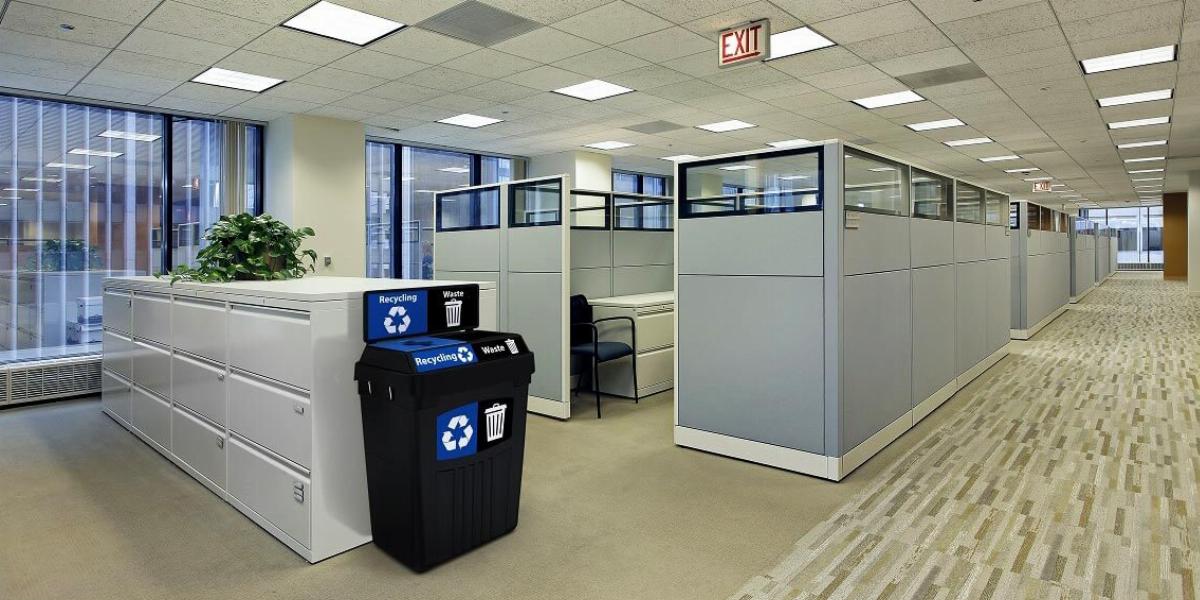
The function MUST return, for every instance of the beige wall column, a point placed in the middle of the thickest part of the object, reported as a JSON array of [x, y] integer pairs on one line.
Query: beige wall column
[[1193, 233], [588, 170], [315, 177]]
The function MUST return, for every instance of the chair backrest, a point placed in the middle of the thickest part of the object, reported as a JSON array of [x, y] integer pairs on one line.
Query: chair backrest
[[581, 312]]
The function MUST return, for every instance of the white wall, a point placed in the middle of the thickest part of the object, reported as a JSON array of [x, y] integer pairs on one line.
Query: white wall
[[588, 170], [315, 177]]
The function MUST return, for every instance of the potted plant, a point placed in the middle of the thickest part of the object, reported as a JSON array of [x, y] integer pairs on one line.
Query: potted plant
[[244, 247]]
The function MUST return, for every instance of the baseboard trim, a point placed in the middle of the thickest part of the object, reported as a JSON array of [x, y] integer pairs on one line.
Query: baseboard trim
[[981, 367], [1076, 299], [771, 455], [549, 408], [856, 456], [1025, 334], [925, 407]]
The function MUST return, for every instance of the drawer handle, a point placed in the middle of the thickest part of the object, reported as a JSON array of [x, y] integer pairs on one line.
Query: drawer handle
[[299, 408], [220, 377], [220, 442], [298, 492]]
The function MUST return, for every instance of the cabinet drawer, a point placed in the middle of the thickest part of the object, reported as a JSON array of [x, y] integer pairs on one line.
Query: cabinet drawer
[[117, 354], [656, 367], [116, 310], [151, 317], [275, 491], [655, 329], [200, 386], [151, 416], [198, 327], [114, 395], [272, 342], [151, 368], [199, 445], [271, 415]]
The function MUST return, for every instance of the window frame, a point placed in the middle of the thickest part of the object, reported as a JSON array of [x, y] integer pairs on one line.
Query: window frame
[[684, 205]]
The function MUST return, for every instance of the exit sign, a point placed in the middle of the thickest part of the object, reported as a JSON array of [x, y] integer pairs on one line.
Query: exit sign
[[1042, 186], [745, 43]]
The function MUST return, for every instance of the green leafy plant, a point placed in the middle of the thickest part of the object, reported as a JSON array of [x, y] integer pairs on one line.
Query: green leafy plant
[[246, 247], [65, 255]]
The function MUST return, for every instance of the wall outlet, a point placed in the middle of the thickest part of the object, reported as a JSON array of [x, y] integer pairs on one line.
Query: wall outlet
[[328, 260]]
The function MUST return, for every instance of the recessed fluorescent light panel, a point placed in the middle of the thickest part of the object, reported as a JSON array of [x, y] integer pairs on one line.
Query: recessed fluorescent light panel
[[1125, 60], [931, 125], [593, 90], [1039, 179], [130, 135], [43, 179], [340, 23], [797, 41], [609, 145], [737, 168], [469, 120], [236, 80], [1147, 179], [881, 169], [1135, 98], [1149, 144], [723, 126], [968, 142], [1139, 122], [1146, 159], [679, 157], [90, 152], [455, 170], [892, 99], [999, 158], [1140, 171], [1022, 170], [71, 166], [789, 143]]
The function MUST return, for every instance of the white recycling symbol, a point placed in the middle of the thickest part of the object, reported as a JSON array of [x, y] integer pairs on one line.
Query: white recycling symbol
[[465, 355], [463, 424], [397, 320]]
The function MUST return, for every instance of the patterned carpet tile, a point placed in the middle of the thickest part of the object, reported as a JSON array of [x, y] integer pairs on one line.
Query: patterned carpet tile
[[1073, 472]]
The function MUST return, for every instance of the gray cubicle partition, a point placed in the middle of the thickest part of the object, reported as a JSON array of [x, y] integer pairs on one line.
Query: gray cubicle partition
[[827, 299], [1083, 258], [515, 234], [1041, 268], [621, 244]]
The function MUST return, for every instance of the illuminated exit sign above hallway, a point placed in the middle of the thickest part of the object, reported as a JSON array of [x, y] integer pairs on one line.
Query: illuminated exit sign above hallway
[[745, 43]]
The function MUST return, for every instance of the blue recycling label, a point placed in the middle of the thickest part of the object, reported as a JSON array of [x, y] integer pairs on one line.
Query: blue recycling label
[[457, 432], [444, 357], [396, 313]]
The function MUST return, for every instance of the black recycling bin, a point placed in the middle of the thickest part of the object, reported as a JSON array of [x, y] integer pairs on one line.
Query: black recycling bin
[[444, 434]]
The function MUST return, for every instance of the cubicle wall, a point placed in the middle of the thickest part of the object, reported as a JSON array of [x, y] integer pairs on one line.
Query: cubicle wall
[[621, 244], [515, 234], [814, 286], [1083, 258], [1041, 255]]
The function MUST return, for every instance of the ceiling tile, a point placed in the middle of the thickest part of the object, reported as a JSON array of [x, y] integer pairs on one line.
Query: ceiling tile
[[710, 25], [499, 91], [494, 64], [338, 79], [546, 11], [278, 104], [125, 11], [700, 64], [666, 44], [819, 61], [182, 19], [885, 20], [753, 76], [612, 23], [546, 78], [211, 93], [940, 11], [36, 46], [265, 64], [271, 13], [42, 68], [457, 104], [423, 46], [308, 93], [32, 83], [849, 76], [548, 101], [378, 64], [190, 105], [546, 45], [103, 92], [811, 11], [408, 12], [43, 21], [602, 62], [1166, 16], [900, 44], [154, 66], [341, 112], [296, 45], [1004, 22], [923, 61], [145, 83], [682, 11], [175, 47], [443, 78], [404, 92], [369, 104]]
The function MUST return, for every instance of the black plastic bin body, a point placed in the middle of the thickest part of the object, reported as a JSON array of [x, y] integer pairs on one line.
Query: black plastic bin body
[[427, 508]]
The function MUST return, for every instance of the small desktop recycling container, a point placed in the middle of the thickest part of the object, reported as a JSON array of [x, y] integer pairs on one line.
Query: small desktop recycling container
[[444, 435]]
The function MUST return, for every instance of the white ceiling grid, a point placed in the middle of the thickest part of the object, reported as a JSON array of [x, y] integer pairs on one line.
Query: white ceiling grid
[[1032, 99]]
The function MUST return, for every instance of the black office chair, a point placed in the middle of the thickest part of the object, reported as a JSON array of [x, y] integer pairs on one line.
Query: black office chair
[[586, 344]]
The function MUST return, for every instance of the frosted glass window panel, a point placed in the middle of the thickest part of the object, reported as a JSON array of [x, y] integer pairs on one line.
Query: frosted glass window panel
[[470, 209], [997, 208], [968, 204], [535, 203], [875, 185], [755, 184], [931, 196], [589, 211], [425, 171]]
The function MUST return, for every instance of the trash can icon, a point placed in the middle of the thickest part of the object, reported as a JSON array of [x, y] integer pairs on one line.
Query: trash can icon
[[495, 421], [454, 313]]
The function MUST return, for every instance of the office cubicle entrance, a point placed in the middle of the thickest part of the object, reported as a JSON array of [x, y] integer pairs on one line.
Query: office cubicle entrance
[[541, 242]]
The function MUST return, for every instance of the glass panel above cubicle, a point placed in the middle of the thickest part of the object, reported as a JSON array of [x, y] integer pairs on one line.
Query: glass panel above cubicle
[[997, 208], [931, 196], [589, 210], [648, 213], [968, 204], [535, 203], [1046, 219], [873, 184], [469, 209], [752, 184]]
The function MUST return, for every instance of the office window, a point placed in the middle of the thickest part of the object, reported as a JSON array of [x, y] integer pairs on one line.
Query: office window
[[997, 208], [755, 184], [968, 205], [83, 199], [1139, 234], [874, 185], [630, 183], [406, 201], [641, 183], [931, 196]]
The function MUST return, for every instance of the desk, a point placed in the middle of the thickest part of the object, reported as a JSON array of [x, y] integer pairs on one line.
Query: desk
[[654, 317]]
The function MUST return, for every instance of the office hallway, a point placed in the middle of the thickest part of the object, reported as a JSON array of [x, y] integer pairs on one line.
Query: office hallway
[[1072, 473]]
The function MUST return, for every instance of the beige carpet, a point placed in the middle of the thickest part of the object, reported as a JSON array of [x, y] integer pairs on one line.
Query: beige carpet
[[1072, 474]]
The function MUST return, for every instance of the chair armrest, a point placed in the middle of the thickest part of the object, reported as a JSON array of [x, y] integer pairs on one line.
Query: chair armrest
[[632, 329]]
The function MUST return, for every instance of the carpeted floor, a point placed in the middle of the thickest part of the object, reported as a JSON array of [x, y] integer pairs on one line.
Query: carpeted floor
[[1073, 474]]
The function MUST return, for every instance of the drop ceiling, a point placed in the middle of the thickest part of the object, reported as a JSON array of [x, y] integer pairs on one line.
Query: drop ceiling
[[1007, 68]]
